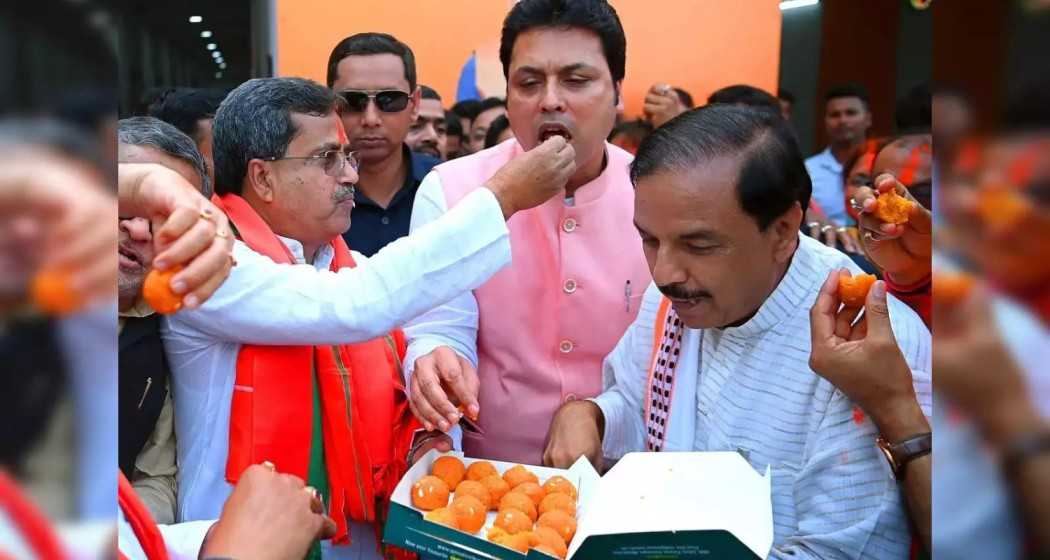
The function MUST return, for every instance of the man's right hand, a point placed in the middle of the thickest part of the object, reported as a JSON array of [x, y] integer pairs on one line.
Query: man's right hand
[[575, 432], [188, 229], [534, 177], [269, 516], [662, 104], [439, 377]]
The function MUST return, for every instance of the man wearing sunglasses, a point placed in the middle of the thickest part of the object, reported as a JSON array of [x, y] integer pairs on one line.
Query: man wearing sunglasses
[[375, 74]]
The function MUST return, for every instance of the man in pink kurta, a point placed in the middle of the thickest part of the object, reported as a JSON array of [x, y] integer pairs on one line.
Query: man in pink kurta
[[538, 331]]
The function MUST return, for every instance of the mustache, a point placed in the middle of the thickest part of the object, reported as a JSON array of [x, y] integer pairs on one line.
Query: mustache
[[675, 291], [344, 192]]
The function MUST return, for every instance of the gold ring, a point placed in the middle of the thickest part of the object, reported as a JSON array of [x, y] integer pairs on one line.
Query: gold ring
[[207, 213], [222, 233], [269, 466]]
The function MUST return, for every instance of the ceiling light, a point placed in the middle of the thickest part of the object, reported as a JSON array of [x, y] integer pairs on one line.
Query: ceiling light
[[218, 75], [196, 19], [790, 4], [215, 54], [211, 46], [205, 34], [222, 65]]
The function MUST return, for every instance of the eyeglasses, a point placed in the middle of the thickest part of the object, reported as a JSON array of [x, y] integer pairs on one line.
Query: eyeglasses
[[388, 101], [334, 160]]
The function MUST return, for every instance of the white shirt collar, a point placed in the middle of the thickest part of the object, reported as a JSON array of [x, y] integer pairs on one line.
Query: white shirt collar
[[324, 255], [793, 291]]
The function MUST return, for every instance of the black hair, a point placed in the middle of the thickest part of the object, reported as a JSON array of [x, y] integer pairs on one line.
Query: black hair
[[685, 97], [594, 15], [154, 133], [372, 43], [427, 92], [467, 109], [637, 130], [453, 127], [499, 124], [185, 107], [1027, 106], [851, 89], [786, 95], [489, 103], [914, 114], [255, 121], [743, 94], [772, 176]]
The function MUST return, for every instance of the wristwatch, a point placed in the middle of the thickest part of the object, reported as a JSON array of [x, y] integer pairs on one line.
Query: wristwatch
[[900, 454]]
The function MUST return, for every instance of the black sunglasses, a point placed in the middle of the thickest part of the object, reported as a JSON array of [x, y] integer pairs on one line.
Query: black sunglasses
[[388, 101]]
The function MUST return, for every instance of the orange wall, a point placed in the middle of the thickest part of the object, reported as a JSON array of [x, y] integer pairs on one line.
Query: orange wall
[[700, 45]]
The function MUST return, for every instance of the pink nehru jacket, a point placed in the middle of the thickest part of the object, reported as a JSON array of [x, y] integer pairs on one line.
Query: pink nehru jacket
[[548, 320]]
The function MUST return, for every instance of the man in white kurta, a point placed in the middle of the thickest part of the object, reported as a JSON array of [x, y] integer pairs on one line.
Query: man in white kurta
[[718, 357], [750, 389]]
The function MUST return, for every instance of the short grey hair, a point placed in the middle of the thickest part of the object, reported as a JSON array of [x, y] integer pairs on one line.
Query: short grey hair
[[255, 122], [154, 133]]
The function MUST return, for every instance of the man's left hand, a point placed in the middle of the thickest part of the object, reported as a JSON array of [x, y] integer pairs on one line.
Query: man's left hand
[[861, 358]]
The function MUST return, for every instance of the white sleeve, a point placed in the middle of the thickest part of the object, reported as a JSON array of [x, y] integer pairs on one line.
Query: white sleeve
[[266, 303], [183, 540], [455, 323], [624, 375]]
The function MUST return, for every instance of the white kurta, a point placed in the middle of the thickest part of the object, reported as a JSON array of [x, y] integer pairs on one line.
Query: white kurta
[[266, 303], [833, 493]]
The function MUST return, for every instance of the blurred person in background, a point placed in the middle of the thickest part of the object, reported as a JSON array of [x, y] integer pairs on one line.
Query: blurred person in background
[[499, 131], [952, 110], [427, 135], [146, 419], [630, 134], [745, 95], [787, 103], [375, 74], [62, 202], [191, 110], [489, 110], [75, 352], [455, 137], [847, 119], [992, 341], [466, 111]]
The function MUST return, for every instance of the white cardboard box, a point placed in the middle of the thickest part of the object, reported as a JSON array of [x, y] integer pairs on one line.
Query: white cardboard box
[[649, 505]]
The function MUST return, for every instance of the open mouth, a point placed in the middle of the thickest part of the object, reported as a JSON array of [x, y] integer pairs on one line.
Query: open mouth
[[130, 259], [550, 130]]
